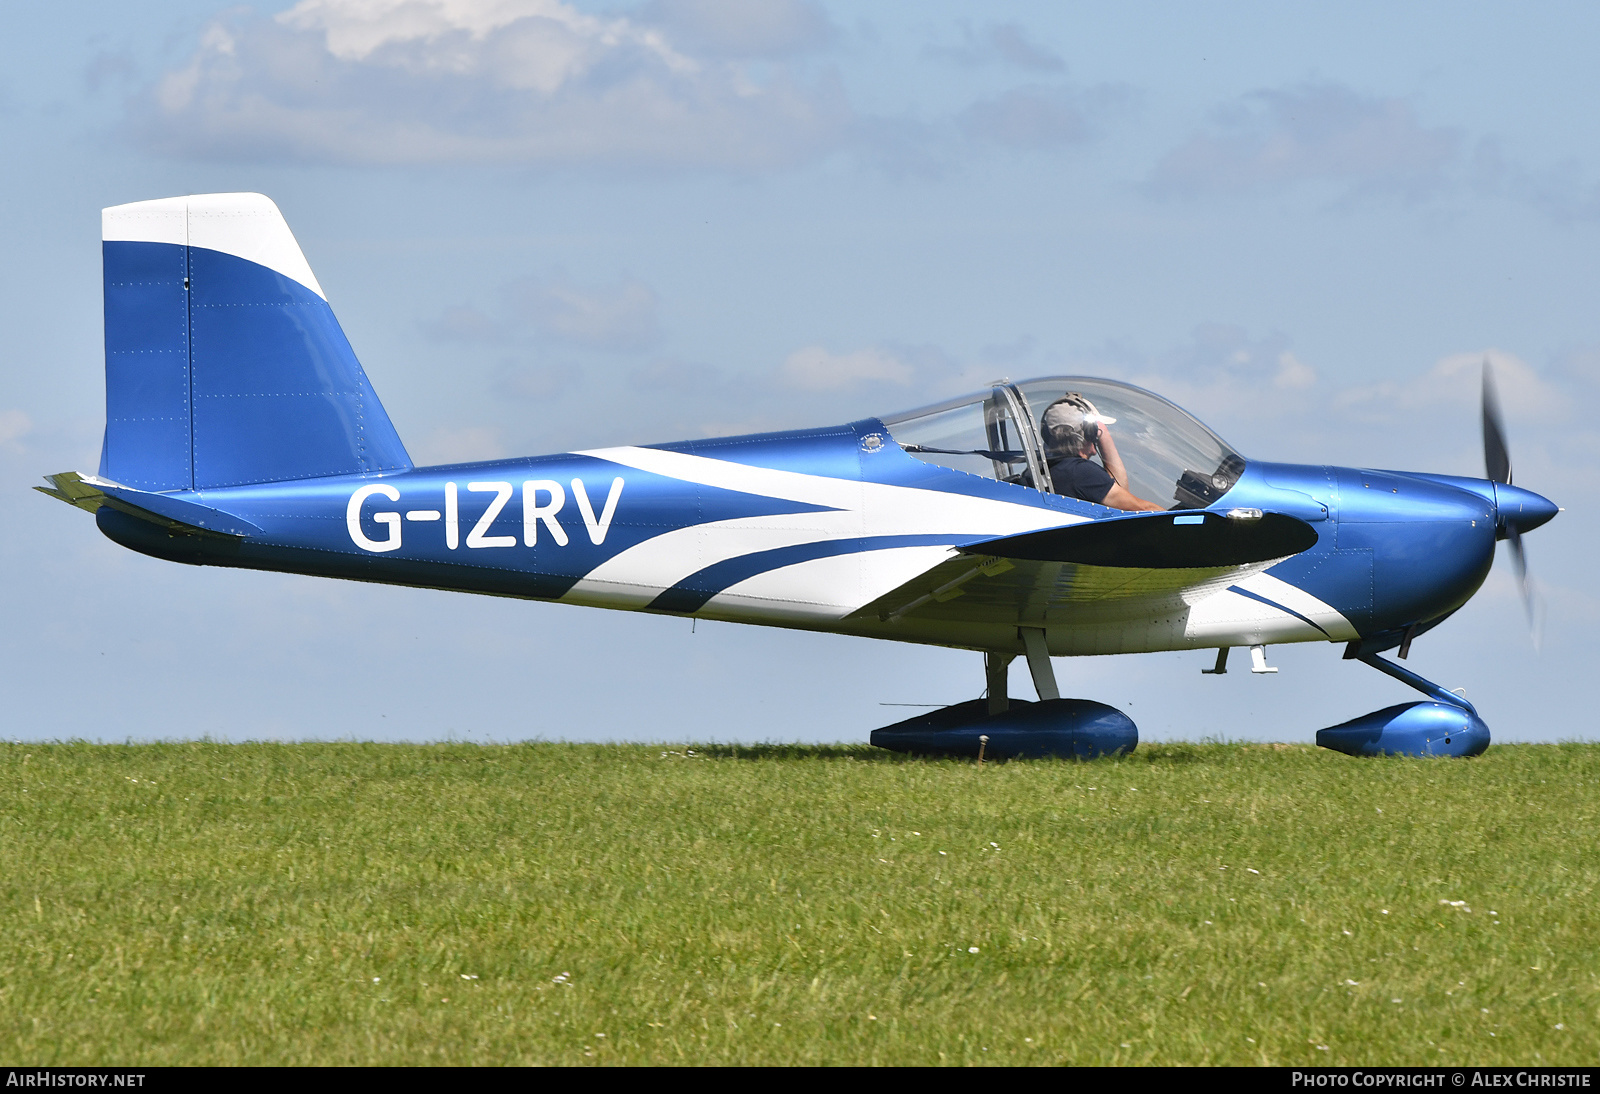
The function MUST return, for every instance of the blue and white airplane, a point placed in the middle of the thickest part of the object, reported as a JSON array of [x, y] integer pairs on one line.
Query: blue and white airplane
[[242, 431]]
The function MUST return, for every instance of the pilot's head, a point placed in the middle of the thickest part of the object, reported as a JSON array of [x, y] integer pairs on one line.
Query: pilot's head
[[1070, 425]]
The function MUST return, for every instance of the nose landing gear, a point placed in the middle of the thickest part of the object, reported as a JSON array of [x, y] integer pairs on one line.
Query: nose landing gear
[[1446, 726]]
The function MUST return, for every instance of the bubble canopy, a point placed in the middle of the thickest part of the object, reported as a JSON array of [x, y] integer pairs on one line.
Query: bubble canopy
[[1170, 456]]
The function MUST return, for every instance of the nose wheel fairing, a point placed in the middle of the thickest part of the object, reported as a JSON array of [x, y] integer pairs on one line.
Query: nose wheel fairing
[[1409, 729]]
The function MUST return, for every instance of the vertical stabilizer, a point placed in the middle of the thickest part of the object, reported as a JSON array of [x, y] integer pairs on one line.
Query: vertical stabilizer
[[224, 363]]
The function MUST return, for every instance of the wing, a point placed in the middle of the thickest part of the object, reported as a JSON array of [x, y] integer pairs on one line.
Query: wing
[[1120, 568]]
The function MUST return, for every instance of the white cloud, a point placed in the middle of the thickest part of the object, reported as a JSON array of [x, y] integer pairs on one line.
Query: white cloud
[[514, 81], [622, 316], [817, 369], [14, 425], [538, 44], [1000, 43], [673, 84], [1457, 380], [463, 323], [468, 444], [1293, 373], [675, 377], [1564, 192], [742, 28], [1312, 132], [1331, 135], [1031, 117], [1027, 118], [533, 383], [1581, 363]]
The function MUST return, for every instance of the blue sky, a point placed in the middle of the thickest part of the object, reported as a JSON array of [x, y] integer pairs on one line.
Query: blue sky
[[549, 225]]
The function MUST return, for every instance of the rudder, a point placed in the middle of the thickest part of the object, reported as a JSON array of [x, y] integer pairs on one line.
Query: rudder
[[224, 363]]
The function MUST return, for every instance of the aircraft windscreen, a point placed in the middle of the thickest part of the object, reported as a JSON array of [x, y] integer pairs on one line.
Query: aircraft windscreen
[[1171, 458], [978, 434]]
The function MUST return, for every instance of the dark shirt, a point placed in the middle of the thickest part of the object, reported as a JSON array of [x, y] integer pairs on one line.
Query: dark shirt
[[1076, 477]]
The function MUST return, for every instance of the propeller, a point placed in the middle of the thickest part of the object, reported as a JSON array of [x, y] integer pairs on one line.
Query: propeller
[[1497, 464]]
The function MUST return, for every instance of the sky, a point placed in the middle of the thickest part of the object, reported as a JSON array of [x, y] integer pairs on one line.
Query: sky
[[549, 225]]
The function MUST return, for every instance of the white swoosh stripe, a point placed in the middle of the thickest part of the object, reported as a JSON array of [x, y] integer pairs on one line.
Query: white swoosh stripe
[[860, 509]]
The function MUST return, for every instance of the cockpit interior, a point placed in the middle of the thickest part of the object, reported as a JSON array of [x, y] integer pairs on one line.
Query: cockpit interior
[[1167, 452]]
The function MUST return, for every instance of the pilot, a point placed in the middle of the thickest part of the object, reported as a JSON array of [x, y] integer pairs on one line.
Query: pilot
[[1074, 431]]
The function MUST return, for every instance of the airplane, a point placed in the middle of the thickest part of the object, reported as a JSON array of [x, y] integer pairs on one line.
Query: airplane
[[242, 431]]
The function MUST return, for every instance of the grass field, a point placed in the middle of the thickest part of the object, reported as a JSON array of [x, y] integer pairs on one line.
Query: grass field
[[546, 903]]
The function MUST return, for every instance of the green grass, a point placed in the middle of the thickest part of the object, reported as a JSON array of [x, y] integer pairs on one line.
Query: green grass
[[1233, 904]]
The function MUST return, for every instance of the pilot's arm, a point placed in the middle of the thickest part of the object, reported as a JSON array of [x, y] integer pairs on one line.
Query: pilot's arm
[[1119, 497]]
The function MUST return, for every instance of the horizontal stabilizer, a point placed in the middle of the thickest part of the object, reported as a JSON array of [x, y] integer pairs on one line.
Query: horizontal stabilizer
[[175, 514], [1160, 541]]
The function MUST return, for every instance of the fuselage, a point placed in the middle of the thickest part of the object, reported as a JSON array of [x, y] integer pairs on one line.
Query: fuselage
[[242, 430], [814, 529]]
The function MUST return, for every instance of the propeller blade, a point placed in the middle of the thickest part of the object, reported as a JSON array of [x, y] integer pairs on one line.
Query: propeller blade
[[1496, 455], [1497, 462], [1519, 563]]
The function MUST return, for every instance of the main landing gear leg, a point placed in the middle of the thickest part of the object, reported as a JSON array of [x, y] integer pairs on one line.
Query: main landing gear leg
[[996, 671], [1446, 726], [1044, 674]]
